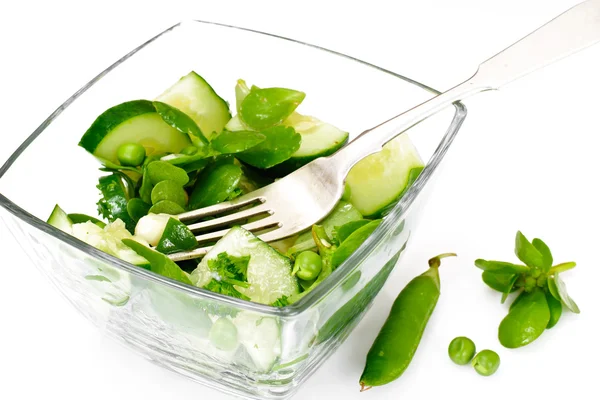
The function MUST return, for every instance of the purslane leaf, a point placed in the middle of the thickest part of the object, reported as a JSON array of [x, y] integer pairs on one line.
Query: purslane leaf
[[264, 108], [500, 266], [182, 122], [280, 143], [527, 253], [558, 289], [159, 263], [545, 252], [499, 281]]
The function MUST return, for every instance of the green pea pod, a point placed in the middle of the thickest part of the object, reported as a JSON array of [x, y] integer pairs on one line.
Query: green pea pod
[[159, 171], [176, 237], [545, 252], [264, 108], [279, 145], [159, 263], [352, 243], [555, 310], [500, 267], [235, 142], [559, 290], [215, 185], [169, 190], [166, 207], [527, 252], [399, 338], [526, 321], [81, 218], [137, 208], [182, 122], [499, 281], [341, 233]]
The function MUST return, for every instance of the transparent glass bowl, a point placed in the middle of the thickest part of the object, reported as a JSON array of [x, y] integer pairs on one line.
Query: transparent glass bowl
[[171, 323]]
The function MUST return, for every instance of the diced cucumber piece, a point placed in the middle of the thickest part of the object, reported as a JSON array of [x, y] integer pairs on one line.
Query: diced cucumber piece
[[261, 337], [59, 219], [80, 218], [109, 240], [269, 272], [132, 122], [379, 179], [195, 97]]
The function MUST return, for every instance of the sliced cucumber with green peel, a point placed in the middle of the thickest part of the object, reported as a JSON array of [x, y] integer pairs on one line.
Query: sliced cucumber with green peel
[[319, 139], [132, 122], [379, 179], [59, 219], [269, 272], [195, 97]]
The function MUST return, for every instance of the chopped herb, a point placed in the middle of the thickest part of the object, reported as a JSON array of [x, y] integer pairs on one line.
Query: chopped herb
[[226, 288], [281, 302]]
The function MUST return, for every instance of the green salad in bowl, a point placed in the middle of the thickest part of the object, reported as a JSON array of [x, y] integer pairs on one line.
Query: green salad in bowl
[[186, 150]]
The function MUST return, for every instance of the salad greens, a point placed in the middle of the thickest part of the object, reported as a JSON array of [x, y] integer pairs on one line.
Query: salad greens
[[184, 150]]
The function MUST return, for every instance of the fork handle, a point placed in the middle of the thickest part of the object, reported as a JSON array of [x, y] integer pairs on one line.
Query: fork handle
[[574, 30]]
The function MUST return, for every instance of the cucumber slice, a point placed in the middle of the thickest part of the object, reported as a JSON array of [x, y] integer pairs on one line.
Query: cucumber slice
[[269, 272], [59, 219], [261, 337], [132, 122], [379, 179], [319, 139], [195, 97]]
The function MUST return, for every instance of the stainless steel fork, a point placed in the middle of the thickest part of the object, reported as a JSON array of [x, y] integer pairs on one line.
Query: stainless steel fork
[[306, 196]]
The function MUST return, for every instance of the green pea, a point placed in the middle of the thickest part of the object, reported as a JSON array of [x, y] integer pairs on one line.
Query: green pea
[[263, 108], [399, 338], [526, 320], [169, 190], [307, 266], [131, 154], [166, 207], [189, 151], [486, 362], [461, 350], [223, 334], [159, 171]]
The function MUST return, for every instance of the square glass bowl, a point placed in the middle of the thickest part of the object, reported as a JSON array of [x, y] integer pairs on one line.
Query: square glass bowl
[[174, 325]]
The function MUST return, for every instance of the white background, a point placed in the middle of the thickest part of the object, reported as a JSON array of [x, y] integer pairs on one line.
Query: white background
[[526, 158]]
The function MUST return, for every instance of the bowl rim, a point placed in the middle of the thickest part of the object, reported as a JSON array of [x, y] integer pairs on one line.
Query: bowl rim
[[321, 290]]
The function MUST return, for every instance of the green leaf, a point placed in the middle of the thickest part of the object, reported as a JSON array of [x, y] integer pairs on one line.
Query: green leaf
[[280, 143], [341, 233], [499, 281], [113, 204], [169, 190], [117, 167], [559, 290], [137, 208], [159, 171], [159, 263], [230, 268], [281, 302], [527, 253], [215, 185], [517, 299], [181, 121], [166, 207], [352, 243], [526, 321], [176, 237], [509, 288], [264, 108], [224, 288], [500, 267], [241, 91], [545, 252], [555, 310], [235, 142]]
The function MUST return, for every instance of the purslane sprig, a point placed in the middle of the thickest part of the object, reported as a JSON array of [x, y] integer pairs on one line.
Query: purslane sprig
[[543, 293]]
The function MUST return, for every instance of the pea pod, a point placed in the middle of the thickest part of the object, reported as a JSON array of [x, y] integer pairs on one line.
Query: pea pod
[[399, 338], [341, 233], [215, 185], [526, 321], [176, 237], [352, 243]]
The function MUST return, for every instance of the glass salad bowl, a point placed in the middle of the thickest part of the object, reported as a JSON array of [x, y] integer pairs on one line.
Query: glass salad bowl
[[274, 350]]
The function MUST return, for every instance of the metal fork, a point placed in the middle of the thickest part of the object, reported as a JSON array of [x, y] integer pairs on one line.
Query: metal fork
[[305, 197]]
